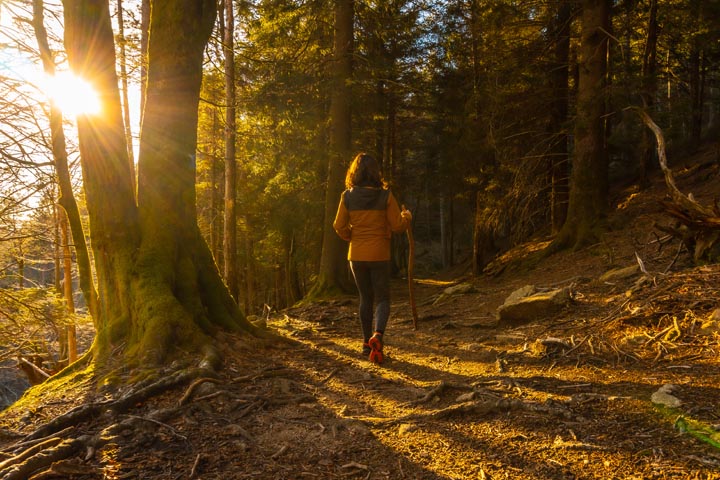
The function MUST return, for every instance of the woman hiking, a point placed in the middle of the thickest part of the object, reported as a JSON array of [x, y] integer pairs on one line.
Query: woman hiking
[[366, 217]]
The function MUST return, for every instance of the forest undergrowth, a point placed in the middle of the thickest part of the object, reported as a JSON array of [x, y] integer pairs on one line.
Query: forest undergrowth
[[622, 383]]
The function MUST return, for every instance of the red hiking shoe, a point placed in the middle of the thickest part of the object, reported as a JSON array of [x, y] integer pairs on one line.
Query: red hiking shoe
[[376, 346]]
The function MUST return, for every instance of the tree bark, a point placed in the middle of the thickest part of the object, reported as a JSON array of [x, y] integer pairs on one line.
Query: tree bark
[[696, 77], [70, 333], [144, 31], [333, 272], [648, 91], [125, 92], [230, 212], [559, 88], [59, 150], [589, 182], [160, 291], [216, 197]]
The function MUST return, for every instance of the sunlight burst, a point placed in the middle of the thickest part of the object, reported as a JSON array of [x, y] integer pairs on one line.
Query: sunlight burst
[[72, 94]]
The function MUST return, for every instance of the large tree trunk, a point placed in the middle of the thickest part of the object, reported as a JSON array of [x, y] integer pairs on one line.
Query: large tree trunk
[[589, 181], [159, 289], [333, 273]]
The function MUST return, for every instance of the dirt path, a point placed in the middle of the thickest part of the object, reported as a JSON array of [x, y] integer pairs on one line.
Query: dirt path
[[565, 396], [459, 398]]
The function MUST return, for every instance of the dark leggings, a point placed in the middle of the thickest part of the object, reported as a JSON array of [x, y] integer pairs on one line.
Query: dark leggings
[[373, 283]]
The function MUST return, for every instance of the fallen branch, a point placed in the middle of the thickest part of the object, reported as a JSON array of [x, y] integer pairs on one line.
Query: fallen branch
[[34, 373], [196, 464], [702, 223]]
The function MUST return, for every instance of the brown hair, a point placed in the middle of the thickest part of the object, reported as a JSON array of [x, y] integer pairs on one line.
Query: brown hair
[[364, 171]]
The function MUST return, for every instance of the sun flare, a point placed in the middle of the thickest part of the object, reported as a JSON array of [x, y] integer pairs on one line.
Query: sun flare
[[72, 94]]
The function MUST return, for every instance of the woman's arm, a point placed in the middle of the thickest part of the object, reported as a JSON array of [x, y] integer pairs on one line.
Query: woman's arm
[[399, 220], [342, 221]]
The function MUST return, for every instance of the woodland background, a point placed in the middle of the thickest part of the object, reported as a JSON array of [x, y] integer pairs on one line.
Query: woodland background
[[476, 109]]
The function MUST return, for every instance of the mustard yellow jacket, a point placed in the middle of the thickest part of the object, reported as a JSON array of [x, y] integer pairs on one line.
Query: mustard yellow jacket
[[366, 217]]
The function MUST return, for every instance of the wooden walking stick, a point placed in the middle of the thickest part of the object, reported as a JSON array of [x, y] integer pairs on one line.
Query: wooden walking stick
[[411, 259]]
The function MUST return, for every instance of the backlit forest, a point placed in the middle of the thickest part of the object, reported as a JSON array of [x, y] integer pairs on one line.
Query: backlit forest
[[495, 122]]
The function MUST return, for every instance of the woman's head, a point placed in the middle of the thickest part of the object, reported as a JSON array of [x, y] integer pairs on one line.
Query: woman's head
[[364, 171]]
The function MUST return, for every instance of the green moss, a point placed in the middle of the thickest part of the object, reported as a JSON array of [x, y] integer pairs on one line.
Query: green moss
[[76, 376], [322, 290]]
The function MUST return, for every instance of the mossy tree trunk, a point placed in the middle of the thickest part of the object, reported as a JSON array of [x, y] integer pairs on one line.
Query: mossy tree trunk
[[589, 179], [159, 289]]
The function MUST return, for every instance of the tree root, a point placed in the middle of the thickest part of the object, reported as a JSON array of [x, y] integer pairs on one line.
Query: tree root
[[437, 390], [193, 386], [45, 454], [26, 465], [483, 407], [19, 447], [46, 445]]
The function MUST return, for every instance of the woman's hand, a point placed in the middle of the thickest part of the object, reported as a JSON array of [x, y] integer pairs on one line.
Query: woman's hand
[[405, 213]]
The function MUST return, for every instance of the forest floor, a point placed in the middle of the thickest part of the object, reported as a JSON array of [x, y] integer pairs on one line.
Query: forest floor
[[566, 396]]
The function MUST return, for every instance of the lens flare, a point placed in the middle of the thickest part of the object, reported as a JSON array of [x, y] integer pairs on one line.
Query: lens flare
[[72, 94]]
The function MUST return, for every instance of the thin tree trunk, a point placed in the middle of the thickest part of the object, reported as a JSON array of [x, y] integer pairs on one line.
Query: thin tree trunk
[[649, 91], [58, 218], [70, 330], [57, 280], [144, 31], [380, 114], [216, 177], [696, 83], [451, 232], [230, 218], [20, 258], [250, 273], [292, 286], [124, 88], [443, 232], [391, 166]]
